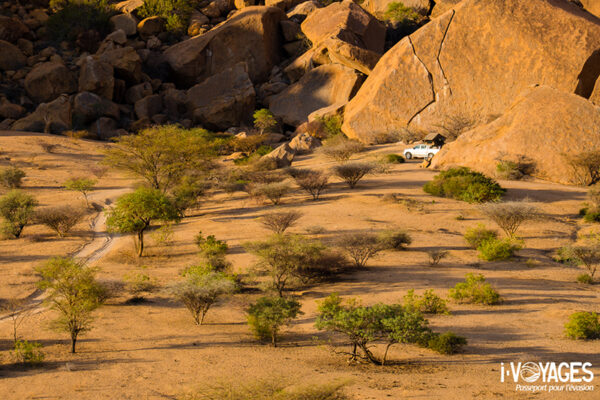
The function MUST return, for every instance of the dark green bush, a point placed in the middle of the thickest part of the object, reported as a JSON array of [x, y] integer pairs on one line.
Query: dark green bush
[[498, 249], [394, 239], [446, 343], [269, 314], [479, 234], [29, 353], [11, 177], [393, 159], [429, 303], [583, 325], [73, 17], [585, 278], [475, 290], [466, 185]]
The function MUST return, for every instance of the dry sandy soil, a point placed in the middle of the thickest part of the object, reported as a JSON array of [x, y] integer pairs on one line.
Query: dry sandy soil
[[153, 350]]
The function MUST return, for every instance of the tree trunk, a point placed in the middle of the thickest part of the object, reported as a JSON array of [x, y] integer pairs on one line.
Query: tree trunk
[[73, 342], [274, 338], [370, 356], [386, 352], [140, 243]]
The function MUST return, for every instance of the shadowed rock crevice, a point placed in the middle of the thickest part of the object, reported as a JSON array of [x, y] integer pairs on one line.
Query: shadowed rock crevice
[[588, 77]]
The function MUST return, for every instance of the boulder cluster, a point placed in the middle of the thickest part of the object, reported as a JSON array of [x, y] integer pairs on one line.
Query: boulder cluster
[[523, 73]]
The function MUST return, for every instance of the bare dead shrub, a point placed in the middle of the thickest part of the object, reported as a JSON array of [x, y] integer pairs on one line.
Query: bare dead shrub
[[48, 147], [456, 124], [272, 191], [360, 246], [510, 215], [279, 222], [353, 172], [61, 219], [436, 255], [585, 167], [340, 148], [99, 170], [312, 182]]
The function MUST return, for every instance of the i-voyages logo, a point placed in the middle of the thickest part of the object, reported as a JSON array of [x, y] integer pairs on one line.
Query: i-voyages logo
[[549, 376]]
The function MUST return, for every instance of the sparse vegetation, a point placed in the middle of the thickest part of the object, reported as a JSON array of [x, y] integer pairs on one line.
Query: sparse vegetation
[[507, 169], [475, 290], [398, 12], [292, 259], [583, 325], [585, 167], [201, 289], [273, 191], [29, 353], [456, 124], [499, 249], [81, 185], [436, 255], [586, 256], [332, 125], [360, 246], [510, 215], [264, 120], [139, 285], [175, 13], [212, 251], [268, 315], [11, 177], [312, 182], [75, 17], [134, 212], [447, 343], [429, 303], [61, 219], [479, 234], [73, 292], [352, 172], [340, 148], [393, 159], [394, 239], [279, 222], [17, 210], [466, 185]]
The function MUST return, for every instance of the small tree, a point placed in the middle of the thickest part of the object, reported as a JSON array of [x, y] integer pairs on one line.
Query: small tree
[[279, 222], [18, 312], [360, 247], [312, 182], [11, 177], [268, 315], [273, 191], [290, 258], [585, 167], [161, 156], [134, 212], [353, 172], [201, 289], [510, 215], [587, 256], [60, 219], [212, 251], [264, 120], [81, 185], [73, 292], [17, 209]]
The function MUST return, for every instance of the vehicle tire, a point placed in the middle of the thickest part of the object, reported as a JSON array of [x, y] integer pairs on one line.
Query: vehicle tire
[[430, 156], [408, 156]]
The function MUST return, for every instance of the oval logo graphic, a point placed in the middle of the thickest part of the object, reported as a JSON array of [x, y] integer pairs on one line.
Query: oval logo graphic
[[530, 372]]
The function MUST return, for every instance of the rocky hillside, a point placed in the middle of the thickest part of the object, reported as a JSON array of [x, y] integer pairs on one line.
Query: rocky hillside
[[384, 66]]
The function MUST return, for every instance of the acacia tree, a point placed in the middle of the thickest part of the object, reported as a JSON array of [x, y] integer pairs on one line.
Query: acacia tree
[[134, 213], [72, 291], [81, 185], [201, 289], [510, 215], [17, 209], [264, 119], [161, 156]]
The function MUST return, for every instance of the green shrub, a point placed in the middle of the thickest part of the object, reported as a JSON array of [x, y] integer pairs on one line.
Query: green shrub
[[466, 185], [73, 17], [393, 159], [429, 303], [583, 325], [398, 12], [585, 278], [340, 148], [29, 353], [176, 13], [590, 214], [11, 177], [506, 169], [394, 239], [17, 210], [269, 314], [332, 125], [475, 290], [212, 251], [498, 249], [139, 285], [264, 120], [446, 343], [479, 234]]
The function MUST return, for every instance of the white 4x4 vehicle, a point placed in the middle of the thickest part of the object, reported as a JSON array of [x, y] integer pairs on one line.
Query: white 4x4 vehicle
[[421, 151]]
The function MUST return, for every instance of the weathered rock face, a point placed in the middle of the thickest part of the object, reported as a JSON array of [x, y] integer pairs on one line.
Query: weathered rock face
[[593, 6], [11, 57], [320, 87], [129, 6], [252, 36], [447, 66], [126, 22], [540, 127], [49, 80], [126, 62], [11, 29], [348, 20], [224, 100], [88, 107], [441, 6], [53, 117], [97, 77]]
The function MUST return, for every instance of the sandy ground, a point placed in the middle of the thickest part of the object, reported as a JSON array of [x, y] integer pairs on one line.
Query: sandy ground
[[154, 351]]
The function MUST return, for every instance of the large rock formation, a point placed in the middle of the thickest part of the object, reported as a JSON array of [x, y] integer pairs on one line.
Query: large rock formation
[[592, 6], [11, 57], [448, 67], [252, 36], [321, 87], [52, 117], [49, 80], [224, 100], [541, 127], [97, 77]]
